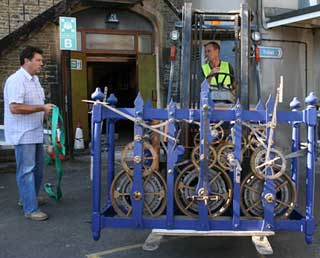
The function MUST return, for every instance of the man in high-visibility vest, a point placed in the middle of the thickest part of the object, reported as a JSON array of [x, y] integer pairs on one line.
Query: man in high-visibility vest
[[219, 73]]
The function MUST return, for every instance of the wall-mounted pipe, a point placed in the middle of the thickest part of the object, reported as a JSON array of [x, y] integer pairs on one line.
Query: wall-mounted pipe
[[173, 8]]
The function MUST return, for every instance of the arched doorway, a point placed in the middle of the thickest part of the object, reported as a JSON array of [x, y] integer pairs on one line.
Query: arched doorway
[[116, 52]]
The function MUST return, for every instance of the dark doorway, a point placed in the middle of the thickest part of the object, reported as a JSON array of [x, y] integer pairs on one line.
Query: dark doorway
[[121, 80]]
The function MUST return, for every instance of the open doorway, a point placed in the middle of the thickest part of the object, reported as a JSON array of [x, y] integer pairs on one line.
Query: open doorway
[[121, 80]]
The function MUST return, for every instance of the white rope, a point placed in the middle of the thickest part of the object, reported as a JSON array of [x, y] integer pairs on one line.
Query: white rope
[[160, 125], [131, 118]]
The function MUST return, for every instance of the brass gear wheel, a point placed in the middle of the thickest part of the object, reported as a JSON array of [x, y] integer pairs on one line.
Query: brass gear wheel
[[252, 139], [251, 191], [195, 156], [244, 144], [154, 187], [148, 160], [277, 163], [215, 130], [222, 155], [185, 187]]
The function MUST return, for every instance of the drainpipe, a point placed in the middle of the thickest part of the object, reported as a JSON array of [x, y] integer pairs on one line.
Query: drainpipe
[[173, 8], [261, 15], [159, 95]]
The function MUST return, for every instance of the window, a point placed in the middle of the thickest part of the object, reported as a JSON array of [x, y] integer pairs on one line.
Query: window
[[304, 12], [145, 44], [79, 46], [109, 41]]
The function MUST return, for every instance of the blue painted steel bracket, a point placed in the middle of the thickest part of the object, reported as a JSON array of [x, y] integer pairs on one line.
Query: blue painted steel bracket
[[110, 132], [216, 115], [174, 151], [203, 183], [205, 115], [311, 121], [137, 191], [236, 169], [96, 177], [295, 146]]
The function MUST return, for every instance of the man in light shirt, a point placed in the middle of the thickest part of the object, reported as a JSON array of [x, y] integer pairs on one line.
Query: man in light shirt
[[23, 124]]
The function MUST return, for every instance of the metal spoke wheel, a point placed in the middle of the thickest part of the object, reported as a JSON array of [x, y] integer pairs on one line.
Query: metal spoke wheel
[[216, 130], [195, 156], [251, 191], [149, 159], [222, 155], [277, 163], [244, 144], [154, 187], [252, 139], [185, 187]]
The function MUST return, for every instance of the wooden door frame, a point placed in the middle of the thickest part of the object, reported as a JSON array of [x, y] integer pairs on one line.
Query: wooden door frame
[[64, 108], [97, 56]]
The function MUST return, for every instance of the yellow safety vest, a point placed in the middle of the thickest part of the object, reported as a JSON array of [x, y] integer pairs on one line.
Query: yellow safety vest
[[224, 68]]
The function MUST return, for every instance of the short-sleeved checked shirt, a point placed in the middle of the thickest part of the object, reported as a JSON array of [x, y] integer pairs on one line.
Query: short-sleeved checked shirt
[[23, 88]]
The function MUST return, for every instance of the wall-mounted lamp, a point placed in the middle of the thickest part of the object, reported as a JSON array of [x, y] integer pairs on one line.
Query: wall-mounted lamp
[[256, 36], [112, 18], [174, 35]]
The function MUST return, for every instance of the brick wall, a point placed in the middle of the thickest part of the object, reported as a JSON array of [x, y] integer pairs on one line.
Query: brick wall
[[4, 19], [15, 13], [47, 40]]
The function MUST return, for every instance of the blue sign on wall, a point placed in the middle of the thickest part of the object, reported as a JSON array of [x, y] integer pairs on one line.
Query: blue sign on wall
[[270, 52], [68, 33]]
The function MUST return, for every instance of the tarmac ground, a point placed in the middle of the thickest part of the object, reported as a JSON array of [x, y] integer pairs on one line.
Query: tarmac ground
[[67, 233]]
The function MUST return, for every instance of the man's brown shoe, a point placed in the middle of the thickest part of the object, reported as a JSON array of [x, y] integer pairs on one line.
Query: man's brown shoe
[[37, 215], [41, 201]]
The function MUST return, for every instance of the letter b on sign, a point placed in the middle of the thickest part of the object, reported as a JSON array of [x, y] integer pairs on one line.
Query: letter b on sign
[[68, 43]]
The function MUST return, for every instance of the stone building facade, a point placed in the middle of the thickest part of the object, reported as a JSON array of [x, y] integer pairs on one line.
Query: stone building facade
[[16, 14]]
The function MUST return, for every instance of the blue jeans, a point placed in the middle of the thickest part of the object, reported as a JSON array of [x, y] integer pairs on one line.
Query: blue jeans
[[30, 163]]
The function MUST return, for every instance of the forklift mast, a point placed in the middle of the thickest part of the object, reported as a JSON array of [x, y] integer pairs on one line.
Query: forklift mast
[[199, 26]]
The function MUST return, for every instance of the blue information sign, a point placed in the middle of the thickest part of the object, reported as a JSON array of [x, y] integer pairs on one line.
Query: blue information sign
[[68, 33], [270, 52]]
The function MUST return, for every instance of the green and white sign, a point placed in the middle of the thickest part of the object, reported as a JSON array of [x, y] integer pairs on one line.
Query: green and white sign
[[76, 64], [68, 33]]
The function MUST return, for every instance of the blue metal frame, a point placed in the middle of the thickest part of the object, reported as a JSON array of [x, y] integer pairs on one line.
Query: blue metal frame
[[105, 217]]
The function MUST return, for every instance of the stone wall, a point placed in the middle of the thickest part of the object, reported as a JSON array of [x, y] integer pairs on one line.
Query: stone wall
[[15, 13]]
